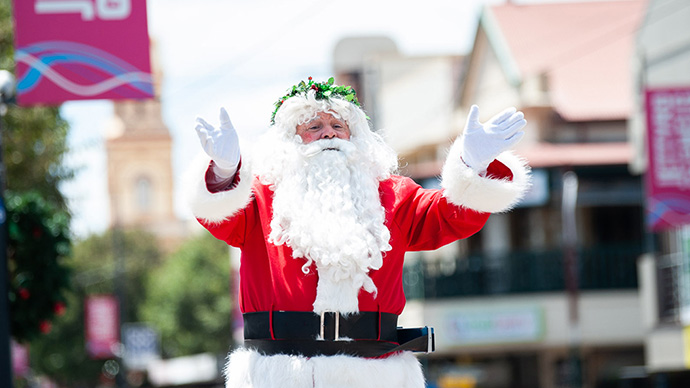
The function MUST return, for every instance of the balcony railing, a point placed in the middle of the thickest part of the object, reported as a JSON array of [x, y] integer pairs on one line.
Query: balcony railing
[[673, 287], [603, 267]]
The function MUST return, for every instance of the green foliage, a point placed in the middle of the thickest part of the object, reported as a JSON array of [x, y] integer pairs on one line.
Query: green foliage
[[34, 139], [322, 91], [38, 246], [6, 36], [96, 261], [35, 143], [61, 354], [189, 299]]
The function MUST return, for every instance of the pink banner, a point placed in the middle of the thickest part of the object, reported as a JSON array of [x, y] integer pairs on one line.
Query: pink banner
[[20, 359], [81, 49], [102, 326], [668, 175]]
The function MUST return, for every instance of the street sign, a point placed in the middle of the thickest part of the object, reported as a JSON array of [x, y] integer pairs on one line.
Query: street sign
[[141, 345]]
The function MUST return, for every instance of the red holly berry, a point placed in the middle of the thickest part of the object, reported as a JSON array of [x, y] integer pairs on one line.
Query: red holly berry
[[315, 87], [24, 293], [59, 308], [309, 78], [45, 327]]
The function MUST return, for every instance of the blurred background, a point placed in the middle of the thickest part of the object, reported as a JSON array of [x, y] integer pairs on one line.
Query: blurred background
[[586, 284]]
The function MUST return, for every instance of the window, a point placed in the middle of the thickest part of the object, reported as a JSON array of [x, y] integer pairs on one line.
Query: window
[[143, 194]]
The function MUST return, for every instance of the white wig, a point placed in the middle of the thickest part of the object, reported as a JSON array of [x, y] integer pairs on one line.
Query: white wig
[[302, 108]]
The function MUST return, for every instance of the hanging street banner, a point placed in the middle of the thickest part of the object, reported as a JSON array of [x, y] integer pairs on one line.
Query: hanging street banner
[[668, 174], [81, 50], [102, 326]]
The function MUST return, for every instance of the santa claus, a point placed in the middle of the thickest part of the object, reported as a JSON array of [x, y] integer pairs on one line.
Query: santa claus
[[323, 223]]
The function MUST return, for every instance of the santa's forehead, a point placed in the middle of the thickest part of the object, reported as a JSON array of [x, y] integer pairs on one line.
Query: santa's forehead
[[323, 114]]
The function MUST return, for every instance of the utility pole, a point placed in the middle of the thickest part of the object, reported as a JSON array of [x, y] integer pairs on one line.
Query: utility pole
[[571, 275], [121, 294], [6, 94]]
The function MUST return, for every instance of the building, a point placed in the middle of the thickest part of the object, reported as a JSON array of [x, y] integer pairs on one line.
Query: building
[[661, 61], [508, 307], [140, 173]]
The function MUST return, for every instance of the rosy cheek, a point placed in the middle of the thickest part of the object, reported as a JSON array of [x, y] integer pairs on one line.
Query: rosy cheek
[[307, 137]]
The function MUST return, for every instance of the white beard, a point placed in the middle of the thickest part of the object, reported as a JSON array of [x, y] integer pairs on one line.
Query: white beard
[[326, 207]]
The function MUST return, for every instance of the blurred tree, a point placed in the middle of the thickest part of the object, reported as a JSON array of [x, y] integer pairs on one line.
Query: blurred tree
[[38, 246], [62, 353], [34, 139], [34, 143], [189, 299]]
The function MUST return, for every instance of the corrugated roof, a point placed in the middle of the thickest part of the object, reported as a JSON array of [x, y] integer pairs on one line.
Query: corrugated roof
[[585, 50]]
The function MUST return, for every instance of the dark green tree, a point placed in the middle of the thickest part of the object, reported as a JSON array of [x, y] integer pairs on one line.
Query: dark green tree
[[62, 353], [189, 299], [34, 143], [39, 244]]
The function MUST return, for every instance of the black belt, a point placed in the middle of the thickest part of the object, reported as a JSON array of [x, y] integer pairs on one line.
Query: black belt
[[365, 334]]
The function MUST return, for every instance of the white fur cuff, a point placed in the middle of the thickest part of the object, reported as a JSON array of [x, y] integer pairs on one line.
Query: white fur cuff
[[464, 187], [215, 207]]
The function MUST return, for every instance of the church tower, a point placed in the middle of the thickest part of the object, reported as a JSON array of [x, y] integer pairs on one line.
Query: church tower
[[140, 174]]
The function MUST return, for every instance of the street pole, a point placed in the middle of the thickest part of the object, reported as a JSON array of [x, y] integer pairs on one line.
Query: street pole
[[570, 268], [5, 358], [6, 93], [121, 294]]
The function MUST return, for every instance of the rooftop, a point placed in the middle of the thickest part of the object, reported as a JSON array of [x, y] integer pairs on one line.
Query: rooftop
[[584, 49]]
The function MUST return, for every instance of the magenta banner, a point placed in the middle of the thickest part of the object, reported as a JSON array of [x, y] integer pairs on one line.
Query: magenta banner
[[668, 175], [102, 326], [81, 49], [20, 359]]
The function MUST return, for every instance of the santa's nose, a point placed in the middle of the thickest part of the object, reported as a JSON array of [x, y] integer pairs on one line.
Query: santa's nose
[[328, 133]]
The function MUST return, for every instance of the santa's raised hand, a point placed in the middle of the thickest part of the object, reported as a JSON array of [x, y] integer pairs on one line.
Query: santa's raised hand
[[482, 143], [221, 144]]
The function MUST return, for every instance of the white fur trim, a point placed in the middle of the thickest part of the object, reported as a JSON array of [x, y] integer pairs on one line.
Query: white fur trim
[[249, 369], [466, 188], [215, 207]]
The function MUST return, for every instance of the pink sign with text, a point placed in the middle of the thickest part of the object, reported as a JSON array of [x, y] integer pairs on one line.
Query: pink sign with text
[[81, 49], [668, 174], [102, 326]]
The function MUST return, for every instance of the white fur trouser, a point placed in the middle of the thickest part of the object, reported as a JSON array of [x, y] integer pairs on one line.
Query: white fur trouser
[[249, 369]]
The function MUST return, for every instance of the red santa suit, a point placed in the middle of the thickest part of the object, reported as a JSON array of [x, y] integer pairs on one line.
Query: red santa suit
[[271, 279]]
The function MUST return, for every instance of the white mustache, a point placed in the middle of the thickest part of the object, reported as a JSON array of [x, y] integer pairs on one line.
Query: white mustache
[[316, 147]]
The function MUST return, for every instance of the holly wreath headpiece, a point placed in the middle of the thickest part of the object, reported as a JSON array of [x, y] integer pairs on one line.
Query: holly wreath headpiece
[[323, 91]]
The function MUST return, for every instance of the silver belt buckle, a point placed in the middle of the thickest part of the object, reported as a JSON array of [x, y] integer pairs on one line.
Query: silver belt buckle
[[322, 328]]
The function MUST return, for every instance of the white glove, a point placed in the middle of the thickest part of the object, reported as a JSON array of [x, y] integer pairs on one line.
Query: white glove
[[484, 142], [221, 144]]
